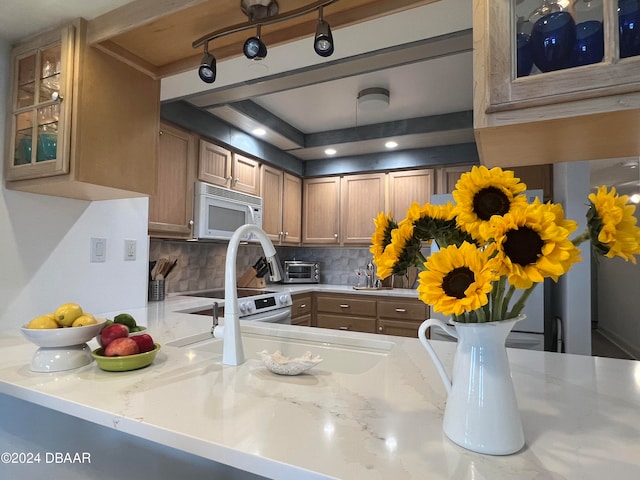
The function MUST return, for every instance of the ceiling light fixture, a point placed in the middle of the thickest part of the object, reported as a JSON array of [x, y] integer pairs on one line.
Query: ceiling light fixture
[[264, 12], [254, 48], [330, 151], [323, 41], [373, 98], [391, 144], [260, 132], [207, 70]]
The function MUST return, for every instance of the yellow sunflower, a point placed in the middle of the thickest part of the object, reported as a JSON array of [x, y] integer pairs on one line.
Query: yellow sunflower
[[399, 253], [457, 279], [382, 235], [482, 193], [532, 243], [612, 225]]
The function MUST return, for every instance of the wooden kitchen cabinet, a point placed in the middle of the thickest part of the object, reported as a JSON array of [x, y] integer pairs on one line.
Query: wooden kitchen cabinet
[[340, 210], [171, 208], [81, 124], [362, 197], [281, 195], [301, 311], [406, 187], [401, 317], [220, 166], [581, 113], [345, 312], [321, 211]]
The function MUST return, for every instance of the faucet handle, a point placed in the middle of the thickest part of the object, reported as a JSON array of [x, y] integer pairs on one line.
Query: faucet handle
[[216, 314]]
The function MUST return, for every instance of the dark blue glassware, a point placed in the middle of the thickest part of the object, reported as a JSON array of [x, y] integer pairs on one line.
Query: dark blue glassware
[[629, 27], [524, 57], [552, 40], [589, 44]]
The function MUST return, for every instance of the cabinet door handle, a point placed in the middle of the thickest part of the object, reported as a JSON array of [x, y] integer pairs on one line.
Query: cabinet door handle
[[401, 310], [344, 305], [343, 327], [380, 329], [303, 305], [236, 180]]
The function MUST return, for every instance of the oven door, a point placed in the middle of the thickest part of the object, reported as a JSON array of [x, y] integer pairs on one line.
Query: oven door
[[281, 315]]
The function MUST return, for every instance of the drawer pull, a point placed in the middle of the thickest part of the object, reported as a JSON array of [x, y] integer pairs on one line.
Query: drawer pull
[[381, 329], [343, 327], [401, 310], [344, 305], [303, 305]]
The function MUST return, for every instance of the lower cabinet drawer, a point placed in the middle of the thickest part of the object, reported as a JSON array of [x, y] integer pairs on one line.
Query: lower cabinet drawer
[[346, 305], [399, 310], [304, 320], [355, 324], [399, 328]]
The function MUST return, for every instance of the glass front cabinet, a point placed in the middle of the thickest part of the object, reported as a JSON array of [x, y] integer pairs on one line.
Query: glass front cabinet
[[39, 126], [556, 80]]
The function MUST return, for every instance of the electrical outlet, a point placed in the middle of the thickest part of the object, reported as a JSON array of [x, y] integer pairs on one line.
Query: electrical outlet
[[129, 249], [98, 248]]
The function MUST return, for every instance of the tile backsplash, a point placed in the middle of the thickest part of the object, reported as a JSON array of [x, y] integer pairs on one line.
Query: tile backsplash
[[201, 265]]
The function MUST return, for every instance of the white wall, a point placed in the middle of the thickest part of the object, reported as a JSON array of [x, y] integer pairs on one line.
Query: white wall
[[44, 247]]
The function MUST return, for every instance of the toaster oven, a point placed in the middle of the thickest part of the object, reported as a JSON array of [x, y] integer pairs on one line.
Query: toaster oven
[[296, 271]]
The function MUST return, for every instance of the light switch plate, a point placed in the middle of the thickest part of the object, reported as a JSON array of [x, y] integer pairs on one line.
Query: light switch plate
[[98, 247], [129, 250]]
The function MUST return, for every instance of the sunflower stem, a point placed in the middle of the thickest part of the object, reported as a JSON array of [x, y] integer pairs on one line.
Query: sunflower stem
[[480, 314], [498, 301], [584, 236], [507, 300], [519, 305]]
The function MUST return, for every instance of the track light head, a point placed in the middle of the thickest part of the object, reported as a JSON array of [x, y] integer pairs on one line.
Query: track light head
[[207, 70], [254, 48], [323, 41]]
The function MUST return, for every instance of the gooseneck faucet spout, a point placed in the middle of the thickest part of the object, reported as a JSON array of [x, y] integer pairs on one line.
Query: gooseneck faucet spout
[[232, 350]]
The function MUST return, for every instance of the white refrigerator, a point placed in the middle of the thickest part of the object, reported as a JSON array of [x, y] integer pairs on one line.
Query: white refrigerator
[[528, 333]]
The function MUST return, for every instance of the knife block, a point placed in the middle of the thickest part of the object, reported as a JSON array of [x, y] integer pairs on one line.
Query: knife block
[[249, 280]]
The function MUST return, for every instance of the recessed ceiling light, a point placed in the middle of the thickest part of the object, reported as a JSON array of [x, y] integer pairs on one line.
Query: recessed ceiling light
[[330, 151], [391, 144], [635, 198], [259, 131]]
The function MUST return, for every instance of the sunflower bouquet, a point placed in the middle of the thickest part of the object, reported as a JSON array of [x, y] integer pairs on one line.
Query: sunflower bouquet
[[494, 246]]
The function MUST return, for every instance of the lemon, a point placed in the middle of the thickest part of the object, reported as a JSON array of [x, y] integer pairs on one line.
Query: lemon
[[84, 319], [67, 313], [42, 322]]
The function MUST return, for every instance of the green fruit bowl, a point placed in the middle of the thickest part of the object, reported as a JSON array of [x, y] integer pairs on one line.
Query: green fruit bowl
[[125, 363]]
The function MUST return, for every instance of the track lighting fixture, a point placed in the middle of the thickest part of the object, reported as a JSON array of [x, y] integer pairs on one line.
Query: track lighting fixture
[[264, 12], [323, 41], [254, 48], [207, 70]]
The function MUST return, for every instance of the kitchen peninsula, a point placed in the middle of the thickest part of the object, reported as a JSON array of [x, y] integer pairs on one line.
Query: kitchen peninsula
[[380, 418]]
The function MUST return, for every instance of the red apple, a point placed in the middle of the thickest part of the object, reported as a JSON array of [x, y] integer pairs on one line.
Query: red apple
[[111, 332], [121, 347], [144, 341]]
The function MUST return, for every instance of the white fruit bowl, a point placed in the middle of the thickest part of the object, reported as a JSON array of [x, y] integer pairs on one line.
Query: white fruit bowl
[[63, 336], [63, 348]]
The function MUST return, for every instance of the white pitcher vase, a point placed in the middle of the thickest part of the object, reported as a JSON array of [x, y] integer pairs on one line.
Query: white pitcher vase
[[481, 412]]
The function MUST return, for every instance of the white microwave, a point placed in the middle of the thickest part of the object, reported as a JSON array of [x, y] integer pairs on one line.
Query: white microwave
[[219, 212]]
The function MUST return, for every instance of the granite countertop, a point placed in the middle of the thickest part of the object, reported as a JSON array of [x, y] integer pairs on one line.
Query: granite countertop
[[581, 415]]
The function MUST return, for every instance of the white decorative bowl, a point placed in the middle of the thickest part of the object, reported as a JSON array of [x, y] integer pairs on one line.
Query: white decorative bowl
[[282, 365], [63, 336], [58, 359]]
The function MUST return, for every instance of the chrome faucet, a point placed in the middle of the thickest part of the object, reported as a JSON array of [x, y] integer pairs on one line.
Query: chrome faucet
[[232, 350]]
